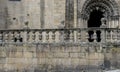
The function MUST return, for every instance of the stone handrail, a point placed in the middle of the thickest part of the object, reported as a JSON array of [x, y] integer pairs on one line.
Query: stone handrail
[[74, 35]]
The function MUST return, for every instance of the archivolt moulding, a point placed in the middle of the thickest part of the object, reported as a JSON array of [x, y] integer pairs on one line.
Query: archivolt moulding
[[110, 7]]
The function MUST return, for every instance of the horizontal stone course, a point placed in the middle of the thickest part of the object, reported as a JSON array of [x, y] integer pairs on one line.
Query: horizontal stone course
[[32, 56]]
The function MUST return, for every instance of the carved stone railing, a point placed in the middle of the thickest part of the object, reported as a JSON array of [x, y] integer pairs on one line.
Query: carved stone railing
[[75, 35]]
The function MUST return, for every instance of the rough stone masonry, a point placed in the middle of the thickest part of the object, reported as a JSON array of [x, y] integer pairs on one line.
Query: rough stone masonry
[[74, 19]]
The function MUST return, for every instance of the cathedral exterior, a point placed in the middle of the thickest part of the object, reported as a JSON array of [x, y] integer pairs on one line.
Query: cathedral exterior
[[59, 35]]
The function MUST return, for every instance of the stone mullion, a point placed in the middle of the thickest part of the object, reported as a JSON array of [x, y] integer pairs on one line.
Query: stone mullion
[[42, 13], [69, 13], [119, 21]]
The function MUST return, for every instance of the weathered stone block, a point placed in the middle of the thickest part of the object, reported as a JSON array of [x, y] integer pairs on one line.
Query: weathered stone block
[[28, 54], [2, 54], [61, 55], [2, 60]]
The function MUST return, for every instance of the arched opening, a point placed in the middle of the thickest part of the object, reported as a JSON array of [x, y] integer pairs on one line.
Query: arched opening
[[95, 21], [92, 13], [95, 18]]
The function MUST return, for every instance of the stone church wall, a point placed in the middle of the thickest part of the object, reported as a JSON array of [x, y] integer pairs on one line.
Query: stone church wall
[[53, 58], [37, 13], [47, 14], [3, 14], [40, 13]]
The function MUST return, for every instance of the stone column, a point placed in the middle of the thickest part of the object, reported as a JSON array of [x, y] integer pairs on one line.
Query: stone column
[[103, 21], [113, 25], [42, 12], [25, 36], [75, 13], [69, 15], [75, 20], [109, 23], [119, 22]]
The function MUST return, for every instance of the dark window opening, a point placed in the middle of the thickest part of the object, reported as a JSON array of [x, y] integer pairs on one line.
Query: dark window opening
[[16, 39], [95, 21]]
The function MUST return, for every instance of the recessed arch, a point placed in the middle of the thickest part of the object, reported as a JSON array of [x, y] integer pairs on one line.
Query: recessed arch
[[110, 6], [100, 6], [93, 11]]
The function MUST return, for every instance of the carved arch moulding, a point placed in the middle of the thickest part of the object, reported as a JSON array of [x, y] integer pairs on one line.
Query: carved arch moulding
[[109, 7]]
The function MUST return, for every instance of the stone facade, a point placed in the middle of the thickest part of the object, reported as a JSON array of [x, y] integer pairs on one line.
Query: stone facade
[[49, 58], [58, 35], [39, 14], [44, 14]]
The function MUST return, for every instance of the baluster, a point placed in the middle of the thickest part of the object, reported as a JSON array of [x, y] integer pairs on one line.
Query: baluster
[[21, 36], [47, 36], [18, 36], [1, 37], [15, 36], [118, 36], [6, 37], [103, 36], [57, 36], [87, 36], [12, 36], [61, 36], [40, 36], [66, 35], [25, 36], [9, 36], [108, 35], [53, 36], [28, 36], [94, 36], [33, 36], [71, 36], [116, 32], [79, 35], [115, 35], [36, 36], [111, 36]]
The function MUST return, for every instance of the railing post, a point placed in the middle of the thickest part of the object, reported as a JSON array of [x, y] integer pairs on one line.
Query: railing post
[[78, 35], [118, 36], [1, 37], [71, 36], [66, 35], [61, 36], [12, 37], [103, 36], [47, 36], [25, 38], [53, 36], [75, 35], [83, 35], [6, 37], [18, 36], [33, 36], [111, 36], [36, 36], [115, 35], [95, 35], [40, 36]]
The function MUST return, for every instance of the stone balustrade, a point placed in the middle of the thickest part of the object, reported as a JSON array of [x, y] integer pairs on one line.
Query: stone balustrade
[[75, 35]]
